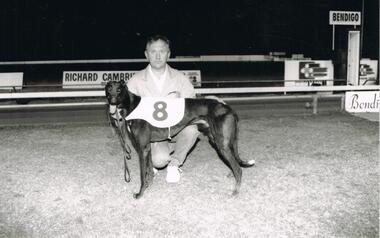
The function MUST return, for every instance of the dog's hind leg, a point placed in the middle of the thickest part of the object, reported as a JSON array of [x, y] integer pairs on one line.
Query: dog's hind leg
[[228, 158], [223, 139], [234, 137]]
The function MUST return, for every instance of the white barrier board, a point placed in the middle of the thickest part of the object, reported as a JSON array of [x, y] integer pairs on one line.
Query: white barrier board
[[363, 101], [11, 80]]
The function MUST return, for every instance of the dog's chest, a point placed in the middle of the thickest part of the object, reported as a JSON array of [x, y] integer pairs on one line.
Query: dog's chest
[[160, 112]]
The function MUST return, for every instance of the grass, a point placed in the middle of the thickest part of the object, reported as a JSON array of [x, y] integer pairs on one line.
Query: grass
[[316, 176]]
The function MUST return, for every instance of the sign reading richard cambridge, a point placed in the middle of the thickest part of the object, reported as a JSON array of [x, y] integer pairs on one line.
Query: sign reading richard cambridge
[[93, 79], [97, 79], [363, 101]]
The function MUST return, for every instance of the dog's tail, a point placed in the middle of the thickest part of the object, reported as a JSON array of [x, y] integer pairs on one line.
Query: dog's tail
[[242, 163]]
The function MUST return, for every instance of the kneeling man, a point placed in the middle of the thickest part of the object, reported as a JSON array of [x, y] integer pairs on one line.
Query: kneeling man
[[158, 79]]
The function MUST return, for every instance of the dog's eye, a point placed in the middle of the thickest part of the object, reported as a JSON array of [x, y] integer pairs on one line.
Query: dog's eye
[[118, 90]]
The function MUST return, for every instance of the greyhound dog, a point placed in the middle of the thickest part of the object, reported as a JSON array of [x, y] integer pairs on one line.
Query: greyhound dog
[[212, 117]]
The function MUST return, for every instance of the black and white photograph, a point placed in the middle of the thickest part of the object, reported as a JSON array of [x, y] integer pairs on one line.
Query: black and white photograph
[[189, 119]]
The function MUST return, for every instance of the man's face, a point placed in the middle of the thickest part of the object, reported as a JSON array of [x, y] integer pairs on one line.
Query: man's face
[[157, 53]]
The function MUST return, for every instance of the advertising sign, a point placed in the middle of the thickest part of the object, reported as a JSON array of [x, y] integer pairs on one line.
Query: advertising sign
[[10, 81], [97, 79], [194, 77], [309, 72], [368, 72], [363, 101]]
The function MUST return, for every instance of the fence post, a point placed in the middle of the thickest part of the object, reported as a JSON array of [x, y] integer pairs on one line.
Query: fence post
[[315, 104], [343, 102]]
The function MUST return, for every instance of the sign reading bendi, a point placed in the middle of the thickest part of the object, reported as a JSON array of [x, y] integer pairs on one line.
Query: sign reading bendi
[[363, 101], [97, 79]]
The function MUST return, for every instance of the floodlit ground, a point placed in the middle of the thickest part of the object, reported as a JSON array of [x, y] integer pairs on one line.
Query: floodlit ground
[[316, 176]]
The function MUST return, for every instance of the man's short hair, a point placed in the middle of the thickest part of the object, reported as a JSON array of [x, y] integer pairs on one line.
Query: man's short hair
[[155, 38]]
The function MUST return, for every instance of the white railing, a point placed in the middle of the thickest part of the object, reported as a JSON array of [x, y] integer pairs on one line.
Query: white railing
[[202, 58], [227, 94], [201, 91]]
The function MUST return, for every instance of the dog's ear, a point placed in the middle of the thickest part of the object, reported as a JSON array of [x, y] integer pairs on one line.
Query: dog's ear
[[124, 84], [108, 84]]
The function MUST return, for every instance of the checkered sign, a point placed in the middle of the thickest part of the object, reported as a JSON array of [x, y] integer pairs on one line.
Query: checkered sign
[[308, 73], [311, 70], [366, 71]]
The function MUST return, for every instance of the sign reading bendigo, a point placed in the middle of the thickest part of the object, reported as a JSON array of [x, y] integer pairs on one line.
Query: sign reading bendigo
[[97, 79], [363, 101], [345, 18]]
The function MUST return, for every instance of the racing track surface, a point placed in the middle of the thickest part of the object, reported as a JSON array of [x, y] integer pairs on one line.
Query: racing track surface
[[315, 176]]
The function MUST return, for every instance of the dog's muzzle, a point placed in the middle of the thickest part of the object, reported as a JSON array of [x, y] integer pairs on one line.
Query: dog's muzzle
[[113, 109]]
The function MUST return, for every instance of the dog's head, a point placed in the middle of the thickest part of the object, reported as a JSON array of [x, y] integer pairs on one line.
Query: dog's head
[[116, 92]]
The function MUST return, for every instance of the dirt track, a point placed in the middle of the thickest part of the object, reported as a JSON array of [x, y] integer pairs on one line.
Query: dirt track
[[316, 176]]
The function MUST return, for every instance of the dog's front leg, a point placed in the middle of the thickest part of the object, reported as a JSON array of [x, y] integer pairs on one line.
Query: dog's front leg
[[146, 169], [142, 143]]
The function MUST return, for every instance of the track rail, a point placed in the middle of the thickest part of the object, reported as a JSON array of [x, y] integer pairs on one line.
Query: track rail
[[202, 91], [228, 94]]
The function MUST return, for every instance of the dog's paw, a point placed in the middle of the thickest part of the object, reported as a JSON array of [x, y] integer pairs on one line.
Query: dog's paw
[[137, 195], [230, 175], [246, 164], [235, 193]]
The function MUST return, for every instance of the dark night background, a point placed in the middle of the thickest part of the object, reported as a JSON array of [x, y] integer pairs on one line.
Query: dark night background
[[101, 29]]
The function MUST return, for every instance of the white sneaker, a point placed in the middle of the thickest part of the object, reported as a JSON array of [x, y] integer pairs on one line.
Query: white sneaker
[[173, 174], [155, 171]]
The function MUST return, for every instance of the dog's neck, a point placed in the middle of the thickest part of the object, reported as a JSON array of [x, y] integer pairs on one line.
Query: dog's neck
[[131, 102]]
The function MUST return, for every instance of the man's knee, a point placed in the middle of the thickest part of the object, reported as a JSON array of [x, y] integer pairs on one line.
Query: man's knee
[[160, 160], [160, 154], [190, 131]]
